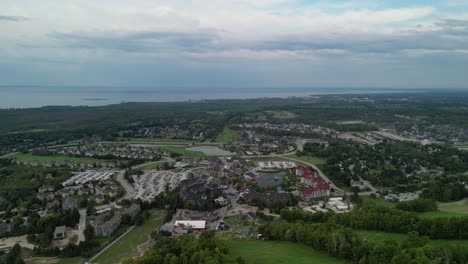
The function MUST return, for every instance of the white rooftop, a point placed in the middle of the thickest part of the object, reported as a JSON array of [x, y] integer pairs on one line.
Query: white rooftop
[[199, 224]]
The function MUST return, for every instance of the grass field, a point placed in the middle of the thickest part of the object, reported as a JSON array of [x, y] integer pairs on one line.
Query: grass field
[[150, 165], [378, 201], [309, 159], [30, 157], [378, 236], [155, 140], [276, 252], [453, 209], [228, 135], [127, 247], [183, 151]]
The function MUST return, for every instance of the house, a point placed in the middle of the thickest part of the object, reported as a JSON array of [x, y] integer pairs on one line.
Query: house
[[221, 201], [69, 203], [60, 232], [251, 216], [6, 228]]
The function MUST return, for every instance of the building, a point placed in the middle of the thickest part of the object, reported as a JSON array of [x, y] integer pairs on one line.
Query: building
[[69, 203], [60, 232], [133, 210], [190, 224], [315, 186], [6, 228], [104, 227]]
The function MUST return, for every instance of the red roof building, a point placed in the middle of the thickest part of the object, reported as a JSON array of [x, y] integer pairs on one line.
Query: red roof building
[[316, 187]]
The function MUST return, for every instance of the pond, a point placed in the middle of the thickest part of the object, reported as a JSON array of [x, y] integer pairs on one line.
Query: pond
[[211, 150], [270, 178]]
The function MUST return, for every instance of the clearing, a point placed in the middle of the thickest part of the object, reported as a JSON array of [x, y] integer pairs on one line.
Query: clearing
[[257, 251], [182, 151], [310, 159], [228, 135], [30, 157], [452, 209]]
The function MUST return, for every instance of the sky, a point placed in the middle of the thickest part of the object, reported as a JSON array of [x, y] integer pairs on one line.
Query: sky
[[238, 43]]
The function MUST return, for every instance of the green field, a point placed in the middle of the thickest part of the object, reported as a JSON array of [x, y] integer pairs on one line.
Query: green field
[[182, 150], [309, 159], [30, 157], [228, 135], [378, 201], [276, 252], [55, 260], [378, 236], [154, 140], [150, 165], [453, 209], [126, 248]]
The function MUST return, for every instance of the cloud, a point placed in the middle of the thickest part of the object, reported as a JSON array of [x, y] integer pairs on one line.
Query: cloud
[[13, 18], [144, 41]]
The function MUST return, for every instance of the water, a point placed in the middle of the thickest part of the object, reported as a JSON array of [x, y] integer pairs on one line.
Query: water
[[271, 178], [211, 151], [38, 96]]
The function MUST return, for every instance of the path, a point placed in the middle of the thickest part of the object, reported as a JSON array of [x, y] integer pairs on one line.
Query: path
[[129, 191], [81, 226]]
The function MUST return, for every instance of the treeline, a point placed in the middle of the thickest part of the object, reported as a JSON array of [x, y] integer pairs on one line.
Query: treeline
[[446, 189], [388, 220], [188, 250], [341, 242]]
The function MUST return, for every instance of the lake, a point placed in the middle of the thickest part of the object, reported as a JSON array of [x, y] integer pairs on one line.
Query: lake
[[38, 96]]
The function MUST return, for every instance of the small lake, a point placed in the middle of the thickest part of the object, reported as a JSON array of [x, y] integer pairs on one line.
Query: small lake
[[268, 178], [211, 151]]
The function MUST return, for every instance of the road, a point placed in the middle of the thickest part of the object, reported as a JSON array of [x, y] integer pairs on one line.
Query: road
[[129, 191], [8, 155], [368, 185], [111, 244], [82, 225]]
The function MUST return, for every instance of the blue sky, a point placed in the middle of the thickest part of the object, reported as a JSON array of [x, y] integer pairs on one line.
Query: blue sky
[[238, 43]]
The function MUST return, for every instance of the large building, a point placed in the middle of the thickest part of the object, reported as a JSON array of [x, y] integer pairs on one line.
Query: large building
[[315, 186]]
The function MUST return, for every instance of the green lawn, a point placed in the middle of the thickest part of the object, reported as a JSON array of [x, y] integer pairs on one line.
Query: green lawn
[[276, 252], [30, 157], [378, 201], [150, 165], [183, 151], [228, 135], [309, 159], [453, 209], [126, 248], [377, 236]]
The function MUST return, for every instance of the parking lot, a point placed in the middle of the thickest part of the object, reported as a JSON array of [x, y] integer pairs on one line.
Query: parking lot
[[152, 183], [88, 176]]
